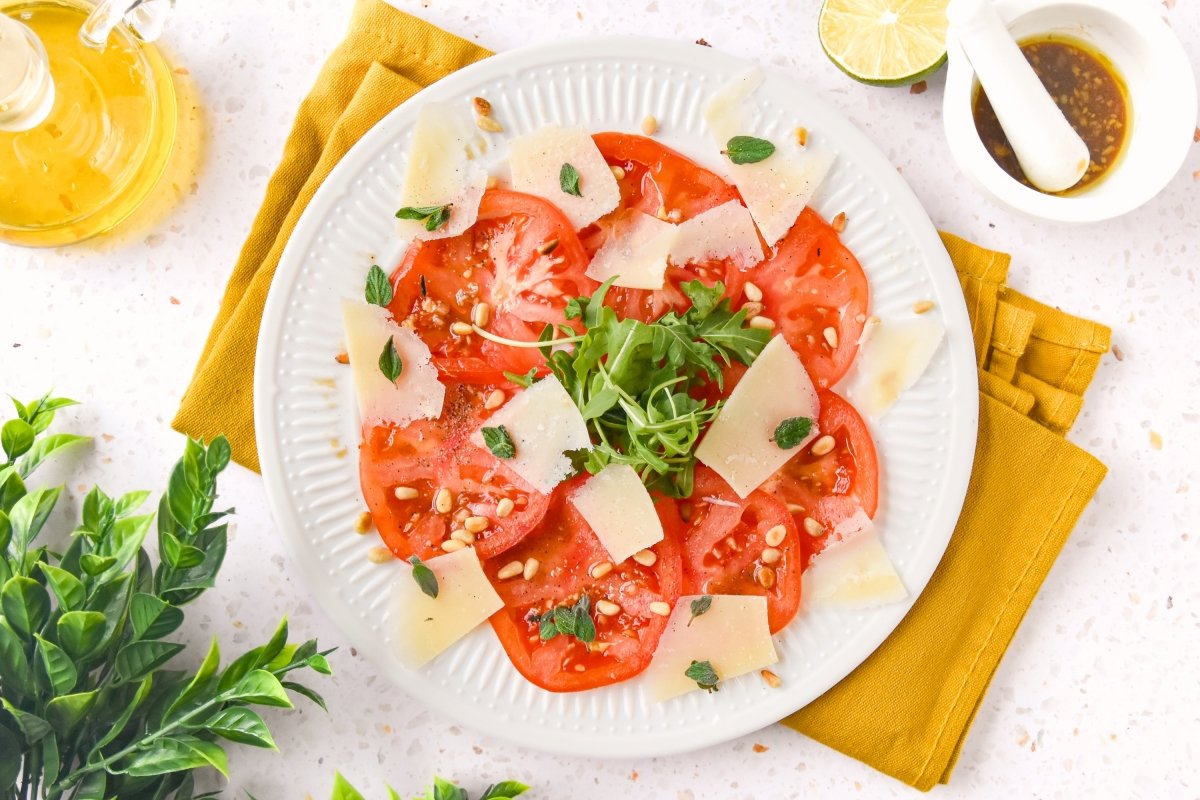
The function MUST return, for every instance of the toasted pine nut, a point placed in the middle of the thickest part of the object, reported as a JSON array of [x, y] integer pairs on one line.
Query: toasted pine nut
[[443, 501], [661, 608], [492, 182], [530, 569], [406, 493], [802, 136], [482, 107], [762, 323], [812, 527], [362, 523], [645, 557], [776, 535], [922, 306], [617, 171], [823, 445], [839, 222], [771, 556], [752, 309], [342, 357], [461, 328], [674, 215], [378, 555], [488, 124], [608, 608], [546, 248], [765, 577], [504, 507], [753, 293], [476, 524], [650, 125], [495, 399], [601, 569], [453, 545], [795, 508], [771, 678], [466, 537], [662, 213], [481, 315], [598, 647], [831, 337], [510, 570]]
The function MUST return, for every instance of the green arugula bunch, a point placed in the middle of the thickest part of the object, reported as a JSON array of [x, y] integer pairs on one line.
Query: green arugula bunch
[[634, 381], [441, 789], [88, 710]]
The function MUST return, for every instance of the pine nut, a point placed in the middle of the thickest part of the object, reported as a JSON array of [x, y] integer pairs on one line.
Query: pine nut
[[453, 545], [406, 493], [460, 535], [776, 535], [482, 107], [362, 523], [650, 125], [601, 569], [802, 136], [752, 309], [530, 569], [762, 323], [812, 527], [342, 357], [823, 445], [839, 222], [546, 248], [461, 328], [379, 555], [831, 337], [645, 557], [771, 556], [481, 315], [662, 213], [476, 524], [491, 183], [795, 508], [607, 608], [617, 171], [765, 577], [922, 306], [753, 293], [495, 399], [598, 647], [771, 678], [510, 570], [504, 507], [444, 501], [661, 608], [488, 124]]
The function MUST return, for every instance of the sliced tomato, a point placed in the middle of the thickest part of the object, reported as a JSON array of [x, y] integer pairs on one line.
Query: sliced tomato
[[811, 283], [521, 257], [830, 487], [566, 551], [428, 456], [726, 549], [658, 180]]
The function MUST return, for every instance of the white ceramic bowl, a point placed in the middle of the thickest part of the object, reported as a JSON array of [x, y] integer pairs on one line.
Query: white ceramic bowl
[[1162, 96]]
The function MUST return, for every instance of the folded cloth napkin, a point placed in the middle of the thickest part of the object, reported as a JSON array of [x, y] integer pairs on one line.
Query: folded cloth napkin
[[906, 710]]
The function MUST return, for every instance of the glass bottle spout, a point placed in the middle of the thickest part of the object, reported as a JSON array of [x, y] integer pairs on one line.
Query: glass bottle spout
[[146, 18]]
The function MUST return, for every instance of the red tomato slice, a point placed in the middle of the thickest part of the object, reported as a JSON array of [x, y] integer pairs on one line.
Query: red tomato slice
[[656, 178], [726, 550], [812, 283], [428, 456], [566, 550], [497, 261], [829, 488]]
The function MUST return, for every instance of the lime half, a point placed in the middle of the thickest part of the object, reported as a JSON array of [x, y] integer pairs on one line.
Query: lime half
[[885, 42]]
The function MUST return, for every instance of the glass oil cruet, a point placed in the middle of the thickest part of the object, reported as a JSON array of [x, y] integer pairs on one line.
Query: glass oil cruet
[[87, 115]]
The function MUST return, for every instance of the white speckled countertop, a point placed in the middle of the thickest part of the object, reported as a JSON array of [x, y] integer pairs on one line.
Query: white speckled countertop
[[1098, 695]]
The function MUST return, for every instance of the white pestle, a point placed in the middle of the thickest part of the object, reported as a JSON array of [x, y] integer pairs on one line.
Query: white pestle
[[26, 89], [1052, 155]]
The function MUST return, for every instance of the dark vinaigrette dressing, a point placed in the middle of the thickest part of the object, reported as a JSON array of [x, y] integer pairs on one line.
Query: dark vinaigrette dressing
[[1088, 90]]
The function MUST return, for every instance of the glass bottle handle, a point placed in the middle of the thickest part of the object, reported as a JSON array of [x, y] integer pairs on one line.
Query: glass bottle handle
[[146, 18]]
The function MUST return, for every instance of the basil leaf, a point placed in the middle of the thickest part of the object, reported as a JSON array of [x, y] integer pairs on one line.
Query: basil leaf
[[80, 633], [434, 217], [748, 149], [389, 361], [505, 790], [791, 432], [424, 577], [65, 712], [138, 659], [499, 442], [16, 437], [259, 687], [242, 725], [568, 180], [700, 606], [173, 754], [26, 605], [57, 666], [379, 288], [703, 674]]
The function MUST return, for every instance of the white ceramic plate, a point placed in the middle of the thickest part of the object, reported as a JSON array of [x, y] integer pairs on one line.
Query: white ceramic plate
[[308, 429]]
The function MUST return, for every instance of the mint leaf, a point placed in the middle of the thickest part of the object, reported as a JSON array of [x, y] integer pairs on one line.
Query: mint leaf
[[434, 217], [748, 149], [568, 180], [424, 577], [703, 674], [389, 361], [379, 288], [700, 606], [791, 432], [499, 442]]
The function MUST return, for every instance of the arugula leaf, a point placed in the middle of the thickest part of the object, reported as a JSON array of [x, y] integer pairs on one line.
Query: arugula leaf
[[700, 606], [379, 288], [424, 577], [434, 217], [748, 150], [390, 363], [791, 432], [703, 674], [524, 381], [499, 442], [568, 180]]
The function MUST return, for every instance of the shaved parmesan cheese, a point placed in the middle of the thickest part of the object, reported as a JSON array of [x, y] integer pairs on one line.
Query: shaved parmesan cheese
[[536, 159], [636, 254], [891, 360], [424, 626], [738, 444], [417, 392], [619, 509], [440, 171], [733, 636], [777, 188], [854, 571], [726, 231], [544, 424]]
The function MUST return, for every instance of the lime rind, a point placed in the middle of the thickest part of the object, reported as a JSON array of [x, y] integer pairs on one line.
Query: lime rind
[[884, 42]]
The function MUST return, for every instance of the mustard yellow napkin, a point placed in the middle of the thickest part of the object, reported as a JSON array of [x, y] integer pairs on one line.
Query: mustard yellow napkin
[[906, 710]]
